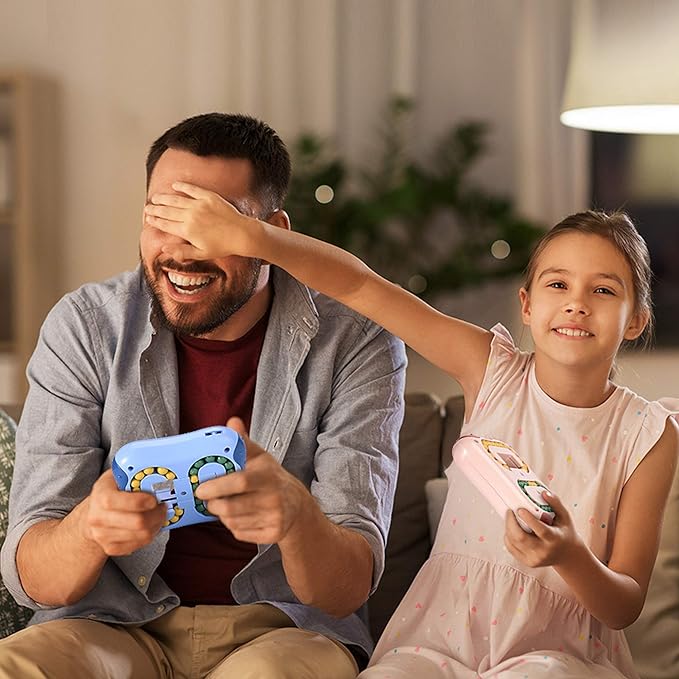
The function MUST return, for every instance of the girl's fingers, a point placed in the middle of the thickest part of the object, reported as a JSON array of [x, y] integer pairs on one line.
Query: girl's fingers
[[173, 214], [192, 190], [173, 228], [538, 528], [182, 253], [171, 199], [555, 503]]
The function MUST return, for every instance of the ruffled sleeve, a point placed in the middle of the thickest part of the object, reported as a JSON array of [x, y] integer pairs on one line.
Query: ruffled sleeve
[[653, 418], [506, 363]]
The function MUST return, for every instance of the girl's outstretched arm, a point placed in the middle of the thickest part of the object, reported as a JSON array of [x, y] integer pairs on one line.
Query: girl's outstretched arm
[[211, 228], [613, 593]]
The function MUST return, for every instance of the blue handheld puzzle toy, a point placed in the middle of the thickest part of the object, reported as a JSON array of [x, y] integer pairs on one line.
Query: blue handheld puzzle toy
[[172, 467]]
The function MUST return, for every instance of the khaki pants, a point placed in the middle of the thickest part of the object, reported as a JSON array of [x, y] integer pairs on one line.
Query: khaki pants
[[215, 642]]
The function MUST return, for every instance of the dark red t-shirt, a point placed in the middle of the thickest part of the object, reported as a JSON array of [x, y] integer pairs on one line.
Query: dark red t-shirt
[[216, 381]]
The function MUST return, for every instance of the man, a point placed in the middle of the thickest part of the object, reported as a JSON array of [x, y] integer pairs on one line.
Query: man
[[272, 588]]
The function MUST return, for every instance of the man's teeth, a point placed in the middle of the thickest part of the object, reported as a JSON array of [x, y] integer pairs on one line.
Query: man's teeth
[[573, 332], [189, 285]]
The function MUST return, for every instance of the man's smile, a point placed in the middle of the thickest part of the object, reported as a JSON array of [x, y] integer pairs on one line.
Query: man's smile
[[189, 284]]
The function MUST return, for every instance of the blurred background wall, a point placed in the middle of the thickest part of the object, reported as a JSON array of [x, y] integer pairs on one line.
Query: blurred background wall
[[127, 70]]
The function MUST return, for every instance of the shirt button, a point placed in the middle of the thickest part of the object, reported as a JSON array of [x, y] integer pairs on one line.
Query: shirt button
[[276, 443], [160, 609], [141, 580]]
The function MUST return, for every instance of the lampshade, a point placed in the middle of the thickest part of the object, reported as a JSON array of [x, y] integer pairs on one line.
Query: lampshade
[[623, 73]]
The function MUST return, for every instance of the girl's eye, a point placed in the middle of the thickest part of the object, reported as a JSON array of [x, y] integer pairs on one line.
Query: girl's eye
[[606, 291], [557, 284]]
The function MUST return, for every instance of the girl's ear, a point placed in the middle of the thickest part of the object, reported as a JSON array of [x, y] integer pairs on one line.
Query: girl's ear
[[524, 299], [637, 324]]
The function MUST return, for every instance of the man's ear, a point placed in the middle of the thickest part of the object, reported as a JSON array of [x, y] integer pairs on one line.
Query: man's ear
[[280, 219], [524, 299], [637, 324]]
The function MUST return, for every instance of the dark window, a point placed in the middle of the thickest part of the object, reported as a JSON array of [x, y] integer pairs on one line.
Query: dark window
[[640, 174]]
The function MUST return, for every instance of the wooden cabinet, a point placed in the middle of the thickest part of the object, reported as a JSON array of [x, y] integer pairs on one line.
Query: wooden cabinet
[[30, 201]]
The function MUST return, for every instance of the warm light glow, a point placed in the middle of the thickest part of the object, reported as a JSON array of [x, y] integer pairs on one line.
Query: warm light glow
[[645, 119], [500, 249], [417, 284], [324, 194], [622, 72]]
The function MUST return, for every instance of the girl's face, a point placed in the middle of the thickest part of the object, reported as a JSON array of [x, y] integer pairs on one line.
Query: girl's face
[[581, 302]]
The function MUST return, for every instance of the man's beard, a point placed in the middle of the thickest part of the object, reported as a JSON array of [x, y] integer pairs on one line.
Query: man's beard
[[201, 318]]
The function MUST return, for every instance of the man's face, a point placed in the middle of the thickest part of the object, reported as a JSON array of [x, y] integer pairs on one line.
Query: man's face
[[197, 297]]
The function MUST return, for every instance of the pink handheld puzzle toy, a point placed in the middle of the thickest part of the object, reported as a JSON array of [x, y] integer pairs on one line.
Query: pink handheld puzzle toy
[[502, 477]]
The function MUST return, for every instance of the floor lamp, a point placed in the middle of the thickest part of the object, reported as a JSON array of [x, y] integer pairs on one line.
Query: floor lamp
[[623, 73]]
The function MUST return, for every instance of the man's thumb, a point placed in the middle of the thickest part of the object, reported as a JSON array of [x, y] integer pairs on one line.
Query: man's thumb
[[237, 424]]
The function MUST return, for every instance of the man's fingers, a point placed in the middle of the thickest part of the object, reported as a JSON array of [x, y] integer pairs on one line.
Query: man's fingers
[[111, 498]]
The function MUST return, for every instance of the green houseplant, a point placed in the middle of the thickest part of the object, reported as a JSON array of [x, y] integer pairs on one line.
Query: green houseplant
[[427, 228]]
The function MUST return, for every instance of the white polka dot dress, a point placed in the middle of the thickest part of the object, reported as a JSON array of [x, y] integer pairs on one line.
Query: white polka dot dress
[[475, 611]]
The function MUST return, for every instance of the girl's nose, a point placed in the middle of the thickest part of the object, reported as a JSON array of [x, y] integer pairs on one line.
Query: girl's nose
[[576, 306]]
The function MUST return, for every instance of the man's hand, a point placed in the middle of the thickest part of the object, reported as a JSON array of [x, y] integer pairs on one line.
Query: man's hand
[[120, 522], [259, 504]]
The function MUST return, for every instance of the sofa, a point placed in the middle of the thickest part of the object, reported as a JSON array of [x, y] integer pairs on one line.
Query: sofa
[[429, 429]]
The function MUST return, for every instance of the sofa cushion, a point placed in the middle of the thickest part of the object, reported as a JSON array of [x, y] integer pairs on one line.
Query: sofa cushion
[[408, 544], [12, 616]]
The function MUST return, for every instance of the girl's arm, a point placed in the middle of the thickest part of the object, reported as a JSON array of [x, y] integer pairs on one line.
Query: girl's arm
[[613, 593], [211, 228]]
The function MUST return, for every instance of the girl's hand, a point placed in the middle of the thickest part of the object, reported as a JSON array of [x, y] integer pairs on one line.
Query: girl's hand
[[547, 545], [211, 227]]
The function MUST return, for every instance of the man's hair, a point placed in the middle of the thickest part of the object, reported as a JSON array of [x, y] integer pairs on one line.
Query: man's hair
[[232, 135]]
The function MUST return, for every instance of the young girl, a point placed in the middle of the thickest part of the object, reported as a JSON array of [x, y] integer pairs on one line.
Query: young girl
[[494, 600]]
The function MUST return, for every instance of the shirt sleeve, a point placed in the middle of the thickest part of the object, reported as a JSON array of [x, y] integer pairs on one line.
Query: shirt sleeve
[[55, 464], [356, 462]]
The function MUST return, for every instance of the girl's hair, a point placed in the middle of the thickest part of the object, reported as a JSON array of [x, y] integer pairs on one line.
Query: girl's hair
[[618, 229]]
